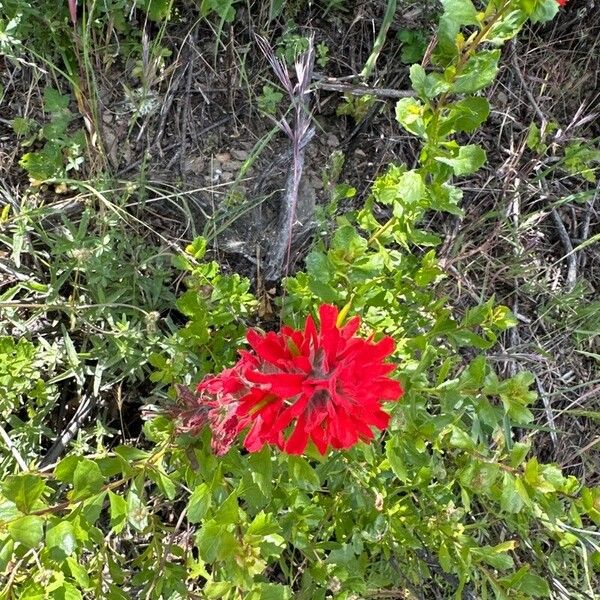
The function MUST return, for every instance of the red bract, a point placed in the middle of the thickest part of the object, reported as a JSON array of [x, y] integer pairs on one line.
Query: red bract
[[323, 385], [562, 2]]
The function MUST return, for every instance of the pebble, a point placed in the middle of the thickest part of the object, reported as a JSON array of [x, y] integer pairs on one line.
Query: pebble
[[240, 154]]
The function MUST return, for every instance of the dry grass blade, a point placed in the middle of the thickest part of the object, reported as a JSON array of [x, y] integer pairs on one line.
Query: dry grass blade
[[300, 133]]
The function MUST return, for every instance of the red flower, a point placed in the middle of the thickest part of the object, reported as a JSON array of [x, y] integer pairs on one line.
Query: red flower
[[213, 404], [562, 2], [325, 385]]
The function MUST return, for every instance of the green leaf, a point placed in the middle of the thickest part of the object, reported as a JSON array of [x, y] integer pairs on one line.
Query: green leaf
[[28, 530], [261, 467], [65, 469], [302, 474], [22, 126], [540, 11], [518, 453], [527, 582], [263, 525], [157, 10], [79, 573], [411, 187], [410, 114], [446, 198], [394, 456], [66, 592], [118, 511], [414, 45], [510, 499], [229, 511], [496, 556], [479, 72], [224, 8], [54, 101], [215, 542], [516, 395], [469, 160], [276, 8], [459, 438], [199, 503], [45, 163], [24, 490], [427, 86], [217, 589], [271, 591], [87, 480], [61, 540], [137, 511], [457, 13], [197, 248], [465, 115]]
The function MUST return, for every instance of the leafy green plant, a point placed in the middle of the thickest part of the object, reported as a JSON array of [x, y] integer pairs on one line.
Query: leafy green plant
[[291, 44], [414, 44], [269, 100], [322, 53], [217, 307], [223, 8], [62, 151], [448, 502]]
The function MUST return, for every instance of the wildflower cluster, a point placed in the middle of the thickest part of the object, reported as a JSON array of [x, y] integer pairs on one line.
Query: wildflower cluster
[[322, 385]]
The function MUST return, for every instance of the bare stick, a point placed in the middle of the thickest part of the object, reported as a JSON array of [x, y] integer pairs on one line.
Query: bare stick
[[547, 410], [13, 449], [568, 246], [61, 442], [334, 85]]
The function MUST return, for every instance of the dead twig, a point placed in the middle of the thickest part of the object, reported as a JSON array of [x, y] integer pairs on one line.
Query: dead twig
[[568, 246], [13, 449], [334, 85], [61, 442]]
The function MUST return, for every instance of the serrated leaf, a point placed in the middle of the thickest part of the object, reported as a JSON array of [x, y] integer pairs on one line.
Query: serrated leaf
[[54, 101], [24, 490], [61, 540], [28, 530], [87, 480], [118, 511], [199, 503], [302, 474], [229, 510], [215, 542]]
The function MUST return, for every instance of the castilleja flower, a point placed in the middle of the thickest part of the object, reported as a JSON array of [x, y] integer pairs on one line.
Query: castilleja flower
[[324, 385], [562, 2]]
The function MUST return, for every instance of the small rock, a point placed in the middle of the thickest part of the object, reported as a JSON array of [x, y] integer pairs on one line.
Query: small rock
[[333, 141], [193, 164], [233, 166], [226, 177], [240, 154], [223, 157], [316, 183], [107, 117]]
